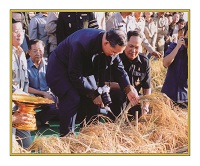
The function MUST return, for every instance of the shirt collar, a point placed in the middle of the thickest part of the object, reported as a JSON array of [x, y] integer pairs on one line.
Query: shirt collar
[[33, 65], [137, 59], [18, 50], [120, 18]]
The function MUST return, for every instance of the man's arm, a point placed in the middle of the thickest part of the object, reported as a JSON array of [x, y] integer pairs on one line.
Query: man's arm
[[145, 105], [33, 29], [170, 55], [122, 78], [41, 93], [51, 24], [113, 85]]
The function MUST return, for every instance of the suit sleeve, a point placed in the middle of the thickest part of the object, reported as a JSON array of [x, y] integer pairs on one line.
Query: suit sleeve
[[119, 73], [86, 84]]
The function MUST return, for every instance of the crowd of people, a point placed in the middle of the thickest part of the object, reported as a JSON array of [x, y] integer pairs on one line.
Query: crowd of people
[[94, 62]]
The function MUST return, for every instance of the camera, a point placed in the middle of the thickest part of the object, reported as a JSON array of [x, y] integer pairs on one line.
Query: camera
[[106, 99]]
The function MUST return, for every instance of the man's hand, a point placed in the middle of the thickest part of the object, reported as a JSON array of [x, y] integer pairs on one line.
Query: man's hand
[[157, 54], [145, 110], [180, 42], [22, 118], [133, 97], [47, 95], [98, 101]]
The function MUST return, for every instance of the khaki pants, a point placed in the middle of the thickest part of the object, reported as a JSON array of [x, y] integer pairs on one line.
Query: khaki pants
[[160, 45]]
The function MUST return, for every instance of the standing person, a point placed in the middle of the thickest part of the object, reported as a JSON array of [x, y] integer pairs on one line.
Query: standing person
[[19, 82], [76, 74], [139, 22], [180, 26], [176, 82], [19, 16], [101, 19], [162, 24], [37, 29], [138, 68], [121, 21], [69, 22], [150, 30], [36, 66], [173, 28], [50, 28]]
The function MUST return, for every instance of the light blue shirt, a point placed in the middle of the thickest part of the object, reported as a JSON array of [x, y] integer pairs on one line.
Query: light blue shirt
[[37, 76]]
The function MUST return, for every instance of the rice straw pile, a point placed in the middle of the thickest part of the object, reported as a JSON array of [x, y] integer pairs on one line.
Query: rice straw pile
[[163, 130]]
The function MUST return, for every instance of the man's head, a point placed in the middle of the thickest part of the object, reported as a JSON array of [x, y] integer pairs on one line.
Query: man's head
[[36, 50], [17, 33], [175, 17], [148, 14], [114, 42], [18, 16], [181, 23], [181, 14], [161, 14], [133, 45], [137, 14], [125, 14]]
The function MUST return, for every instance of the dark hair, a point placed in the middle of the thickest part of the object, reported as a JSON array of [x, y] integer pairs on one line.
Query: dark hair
[[116, 37], [175, 13], [132, 33], [32, 42], [15, 21], [21, 19], [180, 20]]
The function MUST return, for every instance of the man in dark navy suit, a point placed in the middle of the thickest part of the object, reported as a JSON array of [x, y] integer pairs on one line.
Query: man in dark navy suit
[[77, 68]]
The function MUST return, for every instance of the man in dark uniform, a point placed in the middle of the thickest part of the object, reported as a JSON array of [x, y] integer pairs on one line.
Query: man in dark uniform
[[76, 67], [137, 66], [69, 22]]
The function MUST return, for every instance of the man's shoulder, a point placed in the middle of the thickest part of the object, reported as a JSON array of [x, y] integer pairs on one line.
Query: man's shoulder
[[143, 56], [114, 17]]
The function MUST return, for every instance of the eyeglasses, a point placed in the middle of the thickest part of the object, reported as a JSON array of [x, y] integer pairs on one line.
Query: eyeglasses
[[36, 51], [19, 31]]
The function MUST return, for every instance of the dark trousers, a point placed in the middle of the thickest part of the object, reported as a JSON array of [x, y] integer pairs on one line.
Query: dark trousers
[[69, 104], [87, 111], [48, 112]]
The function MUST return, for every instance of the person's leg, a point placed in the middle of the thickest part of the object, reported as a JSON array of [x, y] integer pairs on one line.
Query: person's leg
[[132, 111], [69, 104], [23, 137], [161, 43], [87, 111], [48, 112]]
